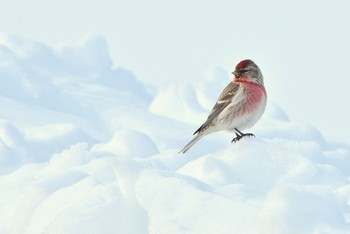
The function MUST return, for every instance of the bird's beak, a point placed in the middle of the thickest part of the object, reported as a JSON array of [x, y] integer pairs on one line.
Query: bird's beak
[[237, 74]]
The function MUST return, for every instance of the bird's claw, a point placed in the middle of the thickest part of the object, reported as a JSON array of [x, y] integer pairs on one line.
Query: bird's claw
[[240, 136], [237, 138], [249, 134]]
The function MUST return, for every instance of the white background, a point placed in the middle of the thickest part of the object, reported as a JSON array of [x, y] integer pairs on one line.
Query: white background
[[302, 47]]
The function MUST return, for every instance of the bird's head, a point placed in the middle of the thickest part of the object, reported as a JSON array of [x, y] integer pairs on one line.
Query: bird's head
[[247, 70]]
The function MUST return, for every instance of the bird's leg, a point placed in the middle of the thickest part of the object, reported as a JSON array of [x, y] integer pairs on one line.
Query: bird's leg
[[244, 134], [240, 135]]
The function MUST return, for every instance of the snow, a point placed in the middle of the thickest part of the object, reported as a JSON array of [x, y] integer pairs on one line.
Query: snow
[[88, 148]]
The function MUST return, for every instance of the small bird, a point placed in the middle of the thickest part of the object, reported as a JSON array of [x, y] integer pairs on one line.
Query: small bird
[[240, 105]]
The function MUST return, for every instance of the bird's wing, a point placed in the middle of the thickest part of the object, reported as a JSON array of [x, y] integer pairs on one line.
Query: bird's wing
[[223, 101]]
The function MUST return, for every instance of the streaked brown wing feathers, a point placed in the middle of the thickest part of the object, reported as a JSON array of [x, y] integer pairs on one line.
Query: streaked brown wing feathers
[[223, 101]]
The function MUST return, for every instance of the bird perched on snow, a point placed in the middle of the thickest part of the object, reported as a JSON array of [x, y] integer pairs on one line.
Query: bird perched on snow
[[240, 105]]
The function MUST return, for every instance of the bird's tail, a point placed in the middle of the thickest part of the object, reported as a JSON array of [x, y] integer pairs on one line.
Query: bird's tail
[[191, 143]]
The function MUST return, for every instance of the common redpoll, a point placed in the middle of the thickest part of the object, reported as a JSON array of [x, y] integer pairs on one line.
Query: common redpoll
[[240, 105]]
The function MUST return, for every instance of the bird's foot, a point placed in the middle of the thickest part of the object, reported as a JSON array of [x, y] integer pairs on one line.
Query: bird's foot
[[237, 138], [241, 135]]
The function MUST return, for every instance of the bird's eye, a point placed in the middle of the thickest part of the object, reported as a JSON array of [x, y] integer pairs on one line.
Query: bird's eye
[[243, 71]]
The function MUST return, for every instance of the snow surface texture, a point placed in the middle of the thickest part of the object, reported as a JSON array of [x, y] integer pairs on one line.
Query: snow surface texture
[[87, 148]]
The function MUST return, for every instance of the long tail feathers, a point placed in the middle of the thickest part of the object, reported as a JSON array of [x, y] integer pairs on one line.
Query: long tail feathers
[[191, 143]]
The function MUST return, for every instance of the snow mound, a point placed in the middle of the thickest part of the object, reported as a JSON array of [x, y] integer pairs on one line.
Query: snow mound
[[178, 102], [84, 148], [129, 143]]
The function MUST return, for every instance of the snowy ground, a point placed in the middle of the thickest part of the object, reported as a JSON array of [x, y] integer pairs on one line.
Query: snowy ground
[[87, 148]]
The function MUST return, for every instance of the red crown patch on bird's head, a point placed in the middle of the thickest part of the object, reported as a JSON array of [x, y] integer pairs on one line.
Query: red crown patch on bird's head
[[244, 63]]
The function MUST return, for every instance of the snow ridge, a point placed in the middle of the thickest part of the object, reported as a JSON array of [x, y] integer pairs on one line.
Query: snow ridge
[[86, 148]]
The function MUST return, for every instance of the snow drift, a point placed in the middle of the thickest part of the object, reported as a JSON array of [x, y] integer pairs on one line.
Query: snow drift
[[85, 148]]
